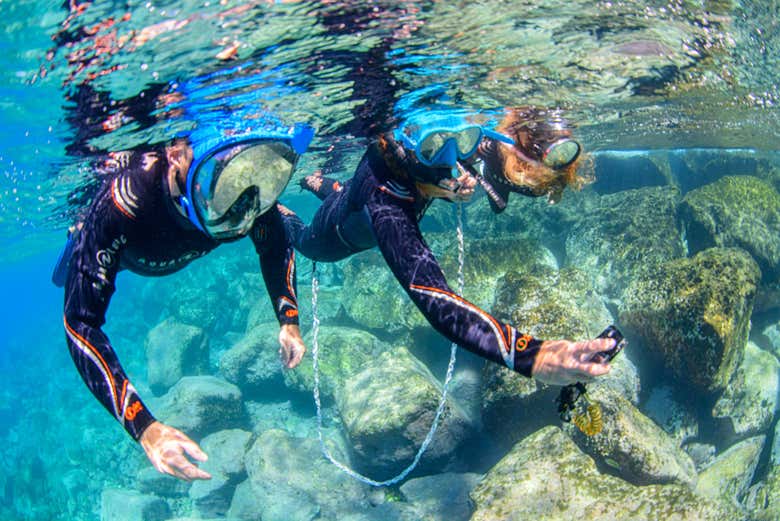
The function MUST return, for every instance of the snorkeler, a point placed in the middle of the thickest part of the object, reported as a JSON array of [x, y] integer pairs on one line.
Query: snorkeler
[[397, 178], [160, 209]]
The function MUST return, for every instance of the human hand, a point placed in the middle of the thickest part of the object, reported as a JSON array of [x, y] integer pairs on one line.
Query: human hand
[[166, 448], [467, 185], [292, 348], [561, 362]]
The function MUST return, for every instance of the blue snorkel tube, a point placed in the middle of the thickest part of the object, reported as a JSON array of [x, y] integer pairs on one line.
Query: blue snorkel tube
[[206, 142]]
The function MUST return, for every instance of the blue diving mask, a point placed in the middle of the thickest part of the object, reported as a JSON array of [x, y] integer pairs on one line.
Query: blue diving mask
[[232, 182], [441, 139]]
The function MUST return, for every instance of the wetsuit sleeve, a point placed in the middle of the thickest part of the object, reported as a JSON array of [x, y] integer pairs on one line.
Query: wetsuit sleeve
[[88, 290], [277, 263], [415, 267], [321, 186]]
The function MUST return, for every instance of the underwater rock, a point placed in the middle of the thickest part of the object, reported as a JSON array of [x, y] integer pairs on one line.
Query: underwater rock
[[549, 304], [288, 473], [263, 501], [128, 505], [764, 505], [547, 478], [620, 171], [693, 169], [174, 350], [695, 314], [343, 352], [486, 260], [670, 414], [702, 454], [623, 235], [736, 211], [442, 496], [636, 448], [730, 475], [375, 299], [387, 410], [196, 306], [150, 481], [749, 402], [201, 405], [769, 337], [212, 497], [253, 363]]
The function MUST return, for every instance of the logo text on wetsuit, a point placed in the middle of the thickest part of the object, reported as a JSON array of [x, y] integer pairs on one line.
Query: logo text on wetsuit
[[106, 258]]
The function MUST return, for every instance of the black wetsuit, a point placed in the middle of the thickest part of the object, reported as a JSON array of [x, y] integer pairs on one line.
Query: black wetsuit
[[378, 208], [133, 224]]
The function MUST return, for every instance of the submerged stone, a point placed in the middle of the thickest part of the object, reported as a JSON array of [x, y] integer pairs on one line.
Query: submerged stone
[[623, 235], [442, 496], [174, 350], [670, 414], [632, 444], [129, 505], [253, 362], [343, 352], [695, 314], [730, 475], [749, 402], [736, 211], [547, 478], [201, 405], [388, 409]]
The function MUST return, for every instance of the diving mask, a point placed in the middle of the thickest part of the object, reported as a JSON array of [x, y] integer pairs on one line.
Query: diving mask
[[561, 153], [234, 183], [440, 139]]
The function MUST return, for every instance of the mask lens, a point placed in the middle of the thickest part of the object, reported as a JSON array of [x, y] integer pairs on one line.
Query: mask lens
[[466, 141], [561, 154], [238, 184]]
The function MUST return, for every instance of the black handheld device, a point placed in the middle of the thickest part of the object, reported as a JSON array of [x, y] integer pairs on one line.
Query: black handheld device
[[607, 356]]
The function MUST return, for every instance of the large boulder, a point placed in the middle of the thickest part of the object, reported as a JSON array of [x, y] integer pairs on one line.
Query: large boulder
[[201, 405], [730, 475], [635, 447], [253, 363], [387, 410], [375, 299], [695, 314], [343, 352], [549, 304], [672, 414], [749, 402], [442, 497], [226, 451], [129, 505], [174, 350], [736, 211], [546, 478], [289, 479], [623, 235]]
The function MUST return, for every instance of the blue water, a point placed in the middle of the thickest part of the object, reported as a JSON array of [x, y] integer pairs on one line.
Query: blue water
[[667, 98]]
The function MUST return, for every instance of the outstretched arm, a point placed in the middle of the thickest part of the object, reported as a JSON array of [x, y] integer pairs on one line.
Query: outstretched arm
[[88, 291], [472, 328], [277, 262]]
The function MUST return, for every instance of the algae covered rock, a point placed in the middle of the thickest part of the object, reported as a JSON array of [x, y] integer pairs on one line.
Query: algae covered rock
[[736, 211], [343, 352], [442, 496], [290, 479], [375, 299], [129, 505], [695, 314], [623, 235], [547, 478], [387, 410], [671, 414], [201, 405], [633, 445], [551, 304], [750, 400], [253, 362], [487, 259], [730, 475], [174, 350]]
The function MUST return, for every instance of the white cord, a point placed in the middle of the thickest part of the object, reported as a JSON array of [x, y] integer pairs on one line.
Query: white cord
[[445, 387]]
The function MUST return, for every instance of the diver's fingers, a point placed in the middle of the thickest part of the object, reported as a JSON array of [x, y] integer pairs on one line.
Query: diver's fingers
[[193, 450], [186, 468], [167, 469]]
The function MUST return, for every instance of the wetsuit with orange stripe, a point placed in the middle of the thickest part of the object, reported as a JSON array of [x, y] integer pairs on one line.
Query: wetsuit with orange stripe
[[133, 224], [379, 208]]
